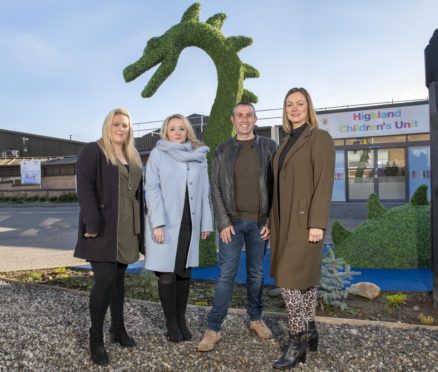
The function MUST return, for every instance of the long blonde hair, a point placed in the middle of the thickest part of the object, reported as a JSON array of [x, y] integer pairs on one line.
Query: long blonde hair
[[311, 115], [128, 147], [191, 136]]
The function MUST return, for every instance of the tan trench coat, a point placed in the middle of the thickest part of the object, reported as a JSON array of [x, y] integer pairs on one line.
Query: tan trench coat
[[301, 200]]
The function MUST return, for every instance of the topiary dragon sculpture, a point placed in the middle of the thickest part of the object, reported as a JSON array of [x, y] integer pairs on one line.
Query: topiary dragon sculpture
[[231, 72], [165, 50]]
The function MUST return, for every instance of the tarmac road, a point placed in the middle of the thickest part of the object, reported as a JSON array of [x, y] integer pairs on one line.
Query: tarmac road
[[33, 236], [37, 236]]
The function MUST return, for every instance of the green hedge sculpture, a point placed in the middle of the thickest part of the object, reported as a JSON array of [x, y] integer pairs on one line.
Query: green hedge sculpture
[[396, 238], [165, 50]]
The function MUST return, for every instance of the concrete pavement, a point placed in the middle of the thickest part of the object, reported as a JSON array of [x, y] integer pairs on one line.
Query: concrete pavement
[[37, 236], [43, 235]]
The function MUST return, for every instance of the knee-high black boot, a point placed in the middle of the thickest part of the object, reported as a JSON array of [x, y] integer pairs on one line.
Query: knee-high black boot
[[167, 292], [182, 296], [312, 336], [295, 352], [117, 330], [99, 300]]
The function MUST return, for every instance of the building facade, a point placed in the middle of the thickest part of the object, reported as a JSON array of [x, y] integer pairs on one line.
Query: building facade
[[382, 149]]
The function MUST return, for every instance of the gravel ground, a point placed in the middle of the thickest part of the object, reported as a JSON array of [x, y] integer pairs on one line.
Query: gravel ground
[[44, 328]]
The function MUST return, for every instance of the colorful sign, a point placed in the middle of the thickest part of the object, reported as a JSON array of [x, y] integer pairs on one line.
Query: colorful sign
[[376, 122], [30, 172]]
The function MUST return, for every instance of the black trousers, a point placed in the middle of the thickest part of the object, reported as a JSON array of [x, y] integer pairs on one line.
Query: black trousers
[[108, 290]]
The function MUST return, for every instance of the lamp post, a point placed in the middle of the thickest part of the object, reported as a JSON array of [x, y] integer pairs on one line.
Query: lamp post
[[431, 63]]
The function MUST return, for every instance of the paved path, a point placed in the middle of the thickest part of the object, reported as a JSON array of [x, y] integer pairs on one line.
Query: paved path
[[43, 235], [37, 237]]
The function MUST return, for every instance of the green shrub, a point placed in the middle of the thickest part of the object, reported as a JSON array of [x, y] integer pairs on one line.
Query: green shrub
[[375, 208], [142, 286], [420, 196], [400, 239], [207, 251], [339, 232], [396, 300], [67, 198]]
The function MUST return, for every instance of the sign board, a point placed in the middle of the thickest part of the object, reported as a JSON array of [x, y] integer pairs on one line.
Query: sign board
[[376, 122], [30, 172]]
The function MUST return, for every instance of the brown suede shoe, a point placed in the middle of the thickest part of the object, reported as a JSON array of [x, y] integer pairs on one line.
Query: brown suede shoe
[[210, 339], [260, 328]]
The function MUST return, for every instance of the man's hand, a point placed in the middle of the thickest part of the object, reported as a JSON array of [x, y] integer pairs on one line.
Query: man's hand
[[265, 233], [226, 233], [158, 235], [90, 235], [315, 235]]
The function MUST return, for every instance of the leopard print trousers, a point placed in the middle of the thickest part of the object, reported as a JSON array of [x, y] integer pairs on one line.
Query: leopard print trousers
[[301, 307]]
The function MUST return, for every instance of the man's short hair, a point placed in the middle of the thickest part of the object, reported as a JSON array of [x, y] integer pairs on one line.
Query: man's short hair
[[244, 103]]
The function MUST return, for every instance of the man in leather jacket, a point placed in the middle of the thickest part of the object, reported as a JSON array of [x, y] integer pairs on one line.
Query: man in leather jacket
[[241, 187]]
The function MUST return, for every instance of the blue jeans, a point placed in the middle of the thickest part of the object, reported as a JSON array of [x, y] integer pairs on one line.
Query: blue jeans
[[247, 232]]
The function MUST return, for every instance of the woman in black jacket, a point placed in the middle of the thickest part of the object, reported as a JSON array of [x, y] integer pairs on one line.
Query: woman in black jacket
[[110, 234]]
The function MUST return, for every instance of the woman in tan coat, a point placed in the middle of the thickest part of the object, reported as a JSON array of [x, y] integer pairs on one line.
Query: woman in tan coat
[[303, 182]]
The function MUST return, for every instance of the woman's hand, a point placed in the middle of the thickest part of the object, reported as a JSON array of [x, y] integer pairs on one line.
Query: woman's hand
[[90, 235], [315, 235], [205, 234], [265, 233], [158, 235]]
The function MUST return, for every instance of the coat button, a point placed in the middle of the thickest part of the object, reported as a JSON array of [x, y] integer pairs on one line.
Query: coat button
[[190, 183], [301, 212]]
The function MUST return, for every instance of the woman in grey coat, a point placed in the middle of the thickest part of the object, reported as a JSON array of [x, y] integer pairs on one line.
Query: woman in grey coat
[[179, 212]]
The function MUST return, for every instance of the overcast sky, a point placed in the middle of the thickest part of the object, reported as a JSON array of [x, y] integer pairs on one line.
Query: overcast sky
[[62, 61]]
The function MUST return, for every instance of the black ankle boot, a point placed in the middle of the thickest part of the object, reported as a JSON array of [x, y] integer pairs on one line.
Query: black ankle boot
[[97, 349], [119, 335], [295, 352], [312, 336]]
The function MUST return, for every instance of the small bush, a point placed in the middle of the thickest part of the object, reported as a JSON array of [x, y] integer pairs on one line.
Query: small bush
[[375, 208], [335, 276], [396, 300], [142, 286], [68, 198], [36, 276], [426, 319], [420, 196]]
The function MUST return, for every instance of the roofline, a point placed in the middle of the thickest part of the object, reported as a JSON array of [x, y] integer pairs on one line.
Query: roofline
[[43, 137]]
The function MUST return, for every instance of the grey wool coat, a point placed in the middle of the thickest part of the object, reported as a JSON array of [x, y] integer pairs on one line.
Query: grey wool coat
[[97, 182], [301, 200], [171, 168]]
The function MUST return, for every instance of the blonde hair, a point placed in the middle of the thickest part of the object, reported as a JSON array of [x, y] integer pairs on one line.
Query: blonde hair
[[191, 136], [106, 144], [311, 118]]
